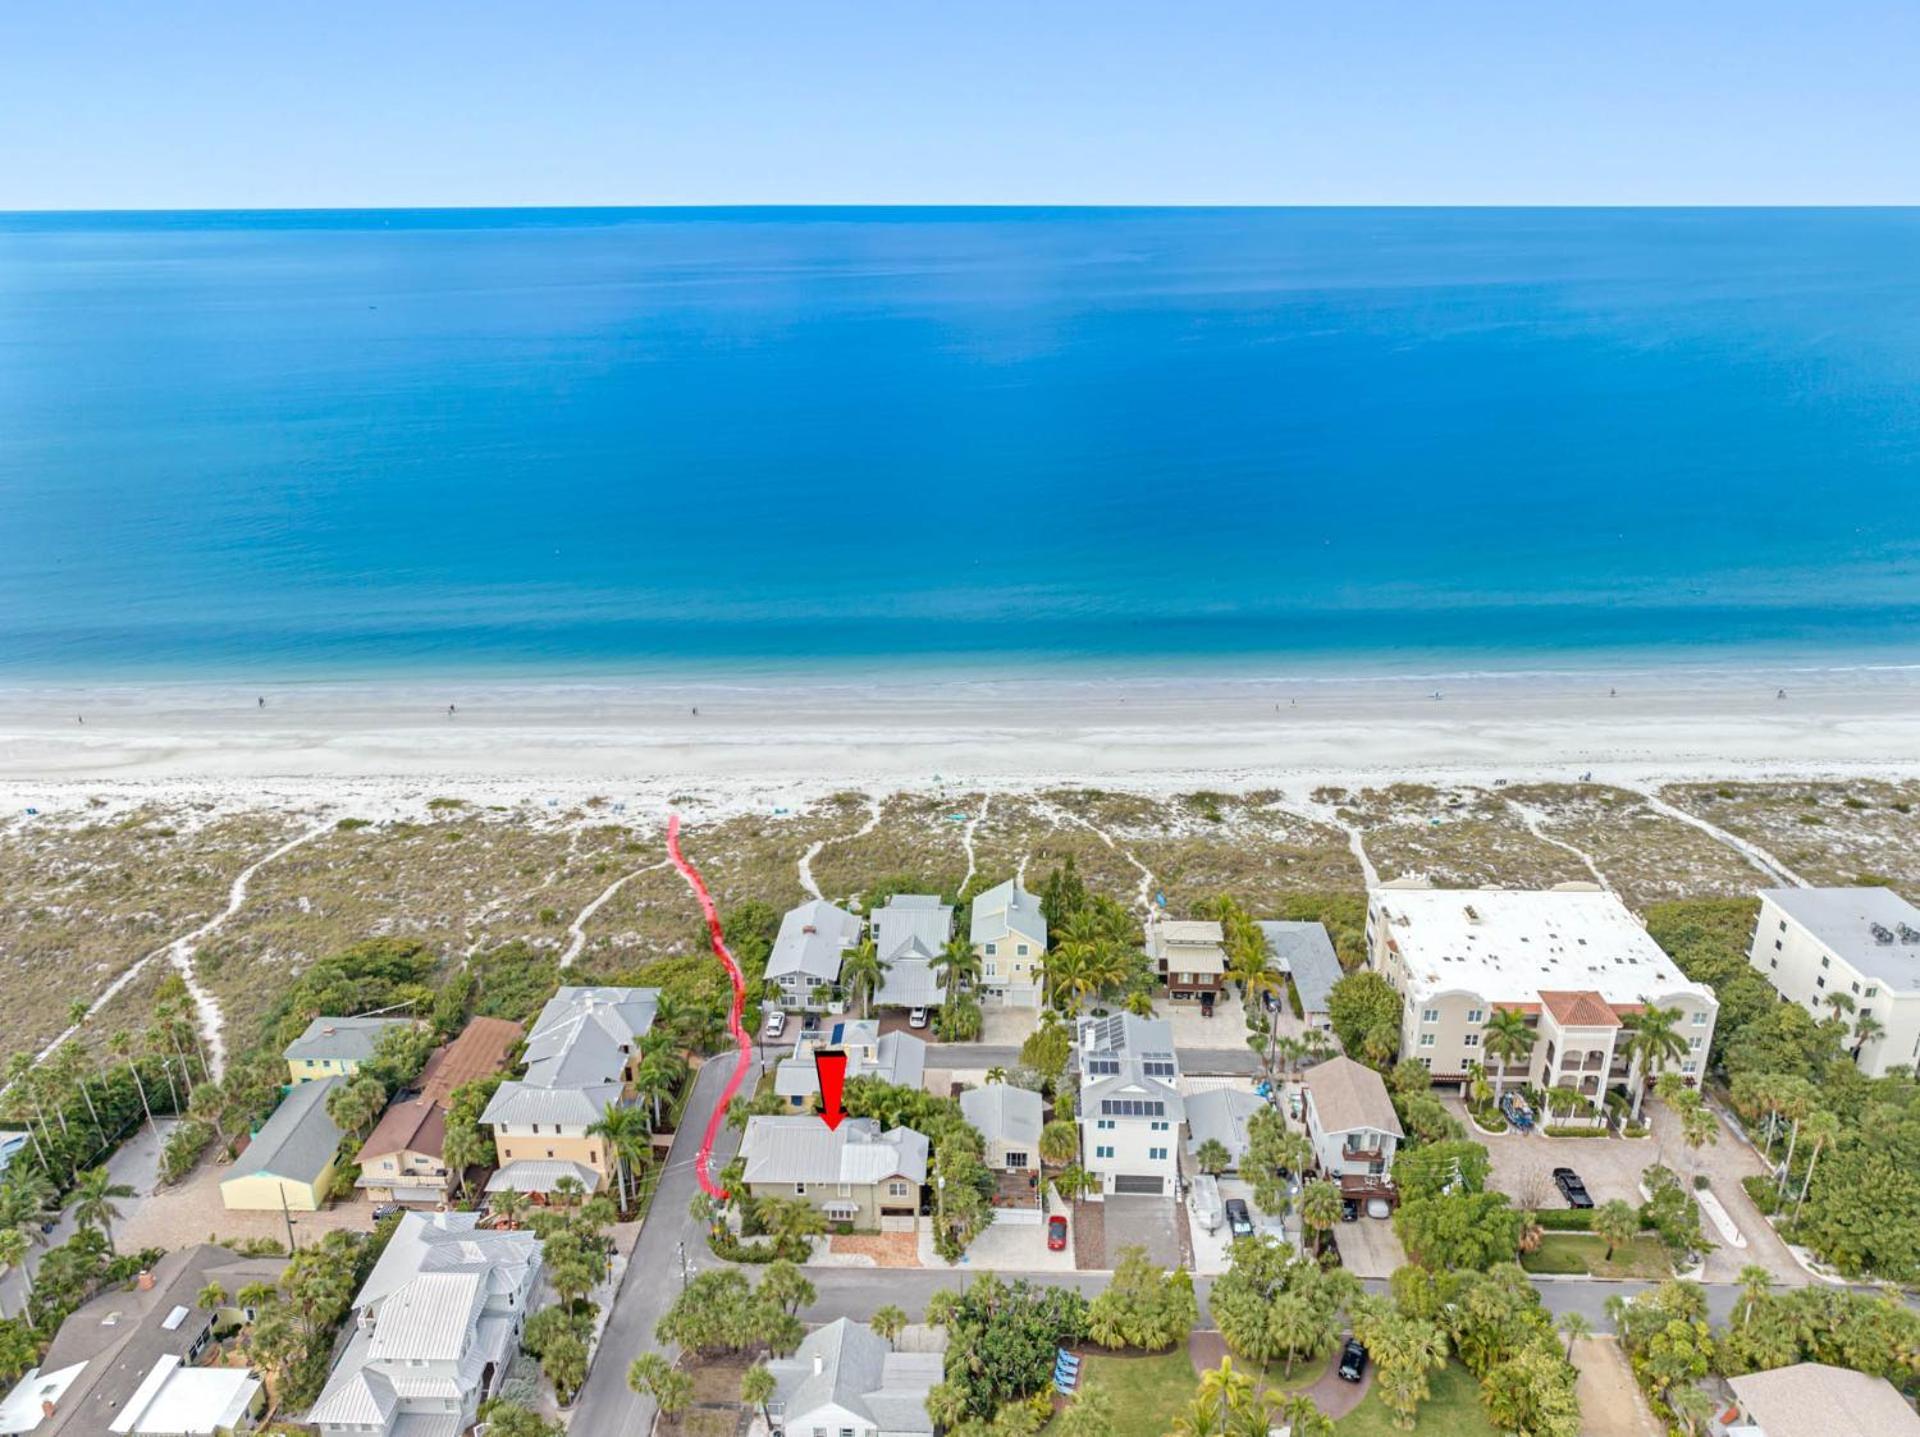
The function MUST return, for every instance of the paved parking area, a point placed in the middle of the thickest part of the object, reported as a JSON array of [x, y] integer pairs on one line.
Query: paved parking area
[[1147, 1222], [1523, 1165], [1007, 1026], [1210, 1249], [1369, 1247], [1227, 1028], [1009, 1247]]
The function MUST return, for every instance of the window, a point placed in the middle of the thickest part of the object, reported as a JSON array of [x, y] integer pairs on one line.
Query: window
[[1472, 1040], [846, 1189], [1476, 1015], [992, 949], [1856, 987], [1783, 925], [1159, 1127], [1825, 962], [896, 1189], [1103, 1152], [1426, 1040], [799, 1189], [1696, 1043], [1429, 1015], [1819, 982], [1020, 950], [1105, 1125], [1699, 1020], [1158, 1155], [1688, 1066], [1873, 991]]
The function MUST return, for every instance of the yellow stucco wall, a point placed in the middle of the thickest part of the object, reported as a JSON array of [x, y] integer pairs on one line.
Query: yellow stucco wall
[[542, 1147], [309, 1070]]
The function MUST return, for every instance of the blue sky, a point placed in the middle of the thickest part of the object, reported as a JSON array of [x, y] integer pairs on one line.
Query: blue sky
[[209, 103]]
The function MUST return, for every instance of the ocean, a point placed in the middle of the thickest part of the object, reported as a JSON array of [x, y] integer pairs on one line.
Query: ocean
[[286, 446]]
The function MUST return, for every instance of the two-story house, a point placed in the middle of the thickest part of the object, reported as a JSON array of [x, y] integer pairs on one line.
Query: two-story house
[[844, 1381], [404, 1158], [1351, 1123], [909, 934], [1851, 952], [1189, 954], [436, 1325], [897, 1058], [1009, 932], [581, 1056], [854, 1173], [813, 942], [1129, 1109], [1572, 960], [336, 1047]]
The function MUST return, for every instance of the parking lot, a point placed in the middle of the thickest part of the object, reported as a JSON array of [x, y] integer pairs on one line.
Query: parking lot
[[1523, 1166]]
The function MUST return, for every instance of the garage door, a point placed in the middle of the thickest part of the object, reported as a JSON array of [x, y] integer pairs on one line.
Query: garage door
[[1125, 1183]]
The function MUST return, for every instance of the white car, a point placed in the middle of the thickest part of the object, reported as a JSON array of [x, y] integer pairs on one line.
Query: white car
[[776, 1023], [917, 1018]]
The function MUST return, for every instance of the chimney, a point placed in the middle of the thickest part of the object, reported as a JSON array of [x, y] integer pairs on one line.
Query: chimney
[[46, 1407], [144, 1281]]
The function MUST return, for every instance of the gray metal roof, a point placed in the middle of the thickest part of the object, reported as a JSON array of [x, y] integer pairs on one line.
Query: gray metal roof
[[899, 1058], [1305, 952], [541, 1175], [1000, 1112], [585, 1035], [1221, 1114], [298, 1141], [580, 1107], [806, 1150], [912, 925], [909, 983], [1004, 909], [845, 1365], [1843, 919], [348, 1039], [450, 1242], [813, 939]]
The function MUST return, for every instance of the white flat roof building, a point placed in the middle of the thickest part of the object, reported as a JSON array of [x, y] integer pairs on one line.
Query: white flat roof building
[[1859, 945], [1573, 959]]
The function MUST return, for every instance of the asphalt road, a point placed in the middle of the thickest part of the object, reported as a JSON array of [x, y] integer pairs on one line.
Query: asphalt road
[[1195, 1062], [606, 1406]]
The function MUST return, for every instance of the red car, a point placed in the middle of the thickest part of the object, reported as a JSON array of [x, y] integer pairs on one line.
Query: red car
[[1056, 1233]]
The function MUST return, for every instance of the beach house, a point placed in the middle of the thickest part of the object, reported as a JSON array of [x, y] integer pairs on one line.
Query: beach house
[[1009, 1120], [1813, 1399], [435, 1327], [1572, 960], [846, 1380], [1190, 957], [854, 1173], [910, 933], [1220, 1115], [1009, 933], [404, 1159], [289, 1164], [1351, 1123], [1304, 952], [141, 1361], [898, 1058], [804, 965], [1853, 953], [581, 1056], [1130, 1109], [336, 1047]]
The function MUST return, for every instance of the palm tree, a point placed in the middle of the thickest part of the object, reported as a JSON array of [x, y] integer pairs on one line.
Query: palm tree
[[1824, 1130], [757, 1387], [957, 965], [1507, 1039], [1866, 1028], [862, 972], [1212, 1157], [14, 1246], [658, 1077], [996, 1074], [92, 1202], [1574, 1327], [1297, 1415], [790, 1220], [121, 1046], [1653, 1043], [1691, 1406], [1754, 1282], [1319, 1209], [1059, 1144], [628, 1139], [888, 1322], [1615, 1222], [511, 1206], [213, 1297]]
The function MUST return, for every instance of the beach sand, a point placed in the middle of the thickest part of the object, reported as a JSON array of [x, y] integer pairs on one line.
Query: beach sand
[[753, 743]]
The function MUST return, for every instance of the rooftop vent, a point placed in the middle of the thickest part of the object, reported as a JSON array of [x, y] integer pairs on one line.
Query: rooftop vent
[[1881, 933], [1473, 914], [1909, 934]]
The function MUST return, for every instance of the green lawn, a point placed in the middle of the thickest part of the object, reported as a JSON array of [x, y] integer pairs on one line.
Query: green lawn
[[1453, 1410], [1573, 1252], [1148, 1392]]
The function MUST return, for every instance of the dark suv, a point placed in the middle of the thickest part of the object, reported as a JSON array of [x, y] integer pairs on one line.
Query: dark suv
[[1239, 1220], [1353, 1360]]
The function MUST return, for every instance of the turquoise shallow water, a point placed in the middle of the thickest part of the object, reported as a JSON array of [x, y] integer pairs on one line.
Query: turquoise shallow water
[[720, 442]]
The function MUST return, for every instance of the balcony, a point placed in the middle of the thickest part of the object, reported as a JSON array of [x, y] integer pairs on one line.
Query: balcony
[[1362, 1155]]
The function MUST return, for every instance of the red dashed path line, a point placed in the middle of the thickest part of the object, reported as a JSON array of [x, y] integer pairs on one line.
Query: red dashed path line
[[744, 1045]]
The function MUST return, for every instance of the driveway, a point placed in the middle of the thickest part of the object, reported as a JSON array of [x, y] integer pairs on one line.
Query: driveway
[[1369, 1247], [1610, 1400], [1523, 1164], [1725, 1163], [1149, 1222]]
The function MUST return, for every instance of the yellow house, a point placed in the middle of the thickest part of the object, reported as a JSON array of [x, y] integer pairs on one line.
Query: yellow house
[[1009, 932], [335, 1047], [290, 1161]]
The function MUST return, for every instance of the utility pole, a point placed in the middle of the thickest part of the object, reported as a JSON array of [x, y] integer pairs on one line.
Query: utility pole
[[292, 1246], [683, 1265]]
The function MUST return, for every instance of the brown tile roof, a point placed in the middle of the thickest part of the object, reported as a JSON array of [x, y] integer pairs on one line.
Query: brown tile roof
[[481, 1048], [1580, 1009]]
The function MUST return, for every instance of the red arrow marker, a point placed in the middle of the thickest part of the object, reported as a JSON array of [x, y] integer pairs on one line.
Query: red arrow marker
[[830, 1069]]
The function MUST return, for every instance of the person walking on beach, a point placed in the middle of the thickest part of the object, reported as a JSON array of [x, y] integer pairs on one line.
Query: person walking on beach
[[261, 701]]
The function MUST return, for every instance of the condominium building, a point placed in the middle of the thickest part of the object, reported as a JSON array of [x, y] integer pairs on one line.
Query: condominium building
[[1572, 959], [1850, 951]]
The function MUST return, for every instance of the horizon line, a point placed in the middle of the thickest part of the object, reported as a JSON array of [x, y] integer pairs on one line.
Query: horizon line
[[949, 205]]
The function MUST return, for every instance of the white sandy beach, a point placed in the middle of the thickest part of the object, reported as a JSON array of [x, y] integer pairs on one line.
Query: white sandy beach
[[767, 743]]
